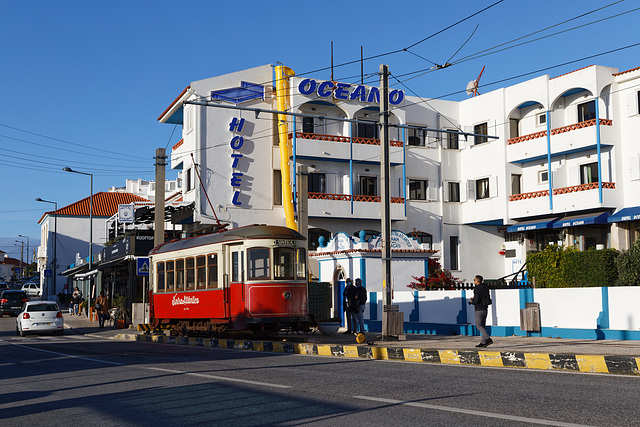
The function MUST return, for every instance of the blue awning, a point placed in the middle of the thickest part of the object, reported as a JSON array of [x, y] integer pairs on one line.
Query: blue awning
[[532, 225], [626, 214], [586, 219]]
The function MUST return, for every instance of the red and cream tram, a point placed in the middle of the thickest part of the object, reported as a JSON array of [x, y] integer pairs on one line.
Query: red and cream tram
[[252, 277]]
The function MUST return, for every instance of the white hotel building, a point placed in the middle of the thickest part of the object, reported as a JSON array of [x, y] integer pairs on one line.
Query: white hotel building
[[564, 166]]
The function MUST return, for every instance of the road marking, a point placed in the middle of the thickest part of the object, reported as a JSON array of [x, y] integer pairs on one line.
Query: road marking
[[69, 355], [470, 412], [215, 377]]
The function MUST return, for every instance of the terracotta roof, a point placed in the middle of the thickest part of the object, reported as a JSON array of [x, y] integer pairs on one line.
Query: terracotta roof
[[626, 71], [104, 204], [174, 101], [572, 71]]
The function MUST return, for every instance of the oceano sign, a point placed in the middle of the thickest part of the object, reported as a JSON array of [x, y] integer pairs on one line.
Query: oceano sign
[[347, 91]]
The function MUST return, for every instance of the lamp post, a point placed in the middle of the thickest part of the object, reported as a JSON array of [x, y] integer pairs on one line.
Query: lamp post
[[21, 262], [68, 169], [54, 265], [28, 261]]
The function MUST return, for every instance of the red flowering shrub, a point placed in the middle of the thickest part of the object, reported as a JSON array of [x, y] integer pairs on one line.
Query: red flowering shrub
[[438, 278]]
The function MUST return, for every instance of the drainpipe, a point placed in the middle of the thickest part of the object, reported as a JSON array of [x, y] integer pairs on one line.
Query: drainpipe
[[598, 149], [549, 160]]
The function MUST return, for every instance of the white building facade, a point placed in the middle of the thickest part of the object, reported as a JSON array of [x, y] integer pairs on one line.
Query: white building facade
[[559, 163]]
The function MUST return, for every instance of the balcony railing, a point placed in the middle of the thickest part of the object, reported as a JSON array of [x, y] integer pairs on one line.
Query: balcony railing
[[355, 198], [563, 190], [556, 131], [338, 138]]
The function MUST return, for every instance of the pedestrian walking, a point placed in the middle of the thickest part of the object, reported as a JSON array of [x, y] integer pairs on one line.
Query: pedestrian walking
[[481, 301], [102, 308], [77, 299], [361, 300], [348, 303]]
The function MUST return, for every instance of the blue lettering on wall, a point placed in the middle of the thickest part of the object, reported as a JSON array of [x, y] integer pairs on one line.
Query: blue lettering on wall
[[396, 97], [236, 158], [324, 90], [359, 94], [237, 142], [236, 179], [307, 86], [342, 91], [348, 92], [235, 125], [374, 96], [235, 200]]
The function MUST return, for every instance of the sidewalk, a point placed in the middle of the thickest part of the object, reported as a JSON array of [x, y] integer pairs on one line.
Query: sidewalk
[[604, 356]]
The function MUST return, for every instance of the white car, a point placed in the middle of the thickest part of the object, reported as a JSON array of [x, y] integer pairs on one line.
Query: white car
[[39, 316], [32, 289]]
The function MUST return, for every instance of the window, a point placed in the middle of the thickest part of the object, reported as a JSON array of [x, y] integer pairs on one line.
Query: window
[[190, 264], [587, 111], [368, 234], [160, 276], [453, 253], [368, 186], [317, 183], [543, 176], [277, 187], [283, 265], [179, 275], [235, 266], [454, 191], [188, 120], [170, 276], [201, 272], [589, 173], [480, 129], [189, 180], [212, 271], [301, 264], [452, 141], [482, 188], [417, 189], [422, 237], [314, 237], [541, 119], [416, 137], [258, 260], [308, 125], [367, 130], [516, 183]]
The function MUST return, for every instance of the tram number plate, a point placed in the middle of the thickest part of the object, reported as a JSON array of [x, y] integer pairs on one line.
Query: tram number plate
[[284, 242]]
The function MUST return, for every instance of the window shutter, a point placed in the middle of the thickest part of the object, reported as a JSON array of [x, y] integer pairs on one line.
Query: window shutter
[[493, 186], [632, 104], [471, 189], [635, 168], [445, 190], [574, 176], [432, 191], [463, 190]]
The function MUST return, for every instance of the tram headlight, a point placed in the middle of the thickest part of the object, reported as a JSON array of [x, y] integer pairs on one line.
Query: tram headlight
[[286, 295]]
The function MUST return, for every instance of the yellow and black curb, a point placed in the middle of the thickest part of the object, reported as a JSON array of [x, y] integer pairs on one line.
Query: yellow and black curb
[[621, 365]]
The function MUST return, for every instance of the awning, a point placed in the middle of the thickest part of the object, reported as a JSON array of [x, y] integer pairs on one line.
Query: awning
[[532, 225], [113, 262], [87, 275], [626, 214], [586, 219]]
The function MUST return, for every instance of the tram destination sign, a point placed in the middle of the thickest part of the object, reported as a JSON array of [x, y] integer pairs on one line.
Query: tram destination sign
[[284, 242]]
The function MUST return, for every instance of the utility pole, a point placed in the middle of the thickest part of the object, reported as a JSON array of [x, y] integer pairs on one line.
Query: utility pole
[[392, 319], [158, 233]]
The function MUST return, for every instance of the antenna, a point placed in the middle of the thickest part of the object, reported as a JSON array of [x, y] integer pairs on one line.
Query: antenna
[[472, 86]]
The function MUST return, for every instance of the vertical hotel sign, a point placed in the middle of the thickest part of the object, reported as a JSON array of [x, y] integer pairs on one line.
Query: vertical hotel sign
[[237, 144]]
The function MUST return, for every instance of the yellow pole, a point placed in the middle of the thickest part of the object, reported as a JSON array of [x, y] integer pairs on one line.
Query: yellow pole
[[282, 95]]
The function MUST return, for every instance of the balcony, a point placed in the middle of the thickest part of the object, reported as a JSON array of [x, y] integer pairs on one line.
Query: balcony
[[344, 148], [572, 138], [537, 202], [364, 207]]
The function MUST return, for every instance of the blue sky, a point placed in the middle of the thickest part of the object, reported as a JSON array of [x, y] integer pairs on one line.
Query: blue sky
[[82, 83]]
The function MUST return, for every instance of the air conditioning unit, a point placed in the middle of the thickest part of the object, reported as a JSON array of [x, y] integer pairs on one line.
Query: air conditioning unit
[[530, 317]]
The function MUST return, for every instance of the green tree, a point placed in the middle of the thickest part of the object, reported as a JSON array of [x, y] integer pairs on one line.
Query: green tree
[[628, 265]]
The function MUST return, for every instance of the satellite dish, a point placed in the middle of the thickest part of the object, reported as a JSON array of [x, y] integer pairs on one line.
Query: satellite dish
[[472, 86]]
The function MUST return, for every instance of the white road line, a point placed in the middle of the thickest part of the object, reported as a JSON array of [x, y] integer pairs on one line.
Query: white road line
[[69, 355], [215, 377], [470, 412]]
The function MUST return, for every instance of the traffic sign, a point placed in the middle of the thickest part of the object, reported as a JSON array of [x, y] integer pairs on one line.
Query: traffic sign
[[142, 266]]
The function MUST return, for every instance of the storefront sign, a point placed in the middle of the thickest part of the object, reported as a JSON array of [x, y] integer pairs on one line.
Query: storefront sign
[[237, 142], [348, 92]]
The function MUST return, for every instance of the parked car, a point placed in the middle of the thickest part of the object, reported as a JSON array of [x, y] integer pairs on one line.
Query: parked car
[[11, 302], [32, 289], [4, 286], [39, 316]]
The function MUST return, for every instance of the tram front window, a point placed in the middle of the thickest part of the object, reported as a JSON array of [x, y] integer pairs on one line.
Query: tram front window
[[301, 264], [283, 263], [258, 260]]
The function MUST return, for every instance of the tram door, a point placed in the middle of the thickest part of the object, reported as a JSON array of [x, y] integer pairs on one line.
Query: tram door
[[235, 289]]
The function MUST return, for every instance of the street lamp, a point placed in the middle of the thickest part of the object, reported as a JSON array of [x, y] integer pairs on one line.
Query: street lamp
[[28, 261], [55, 238], [21, 262], [68, 169]]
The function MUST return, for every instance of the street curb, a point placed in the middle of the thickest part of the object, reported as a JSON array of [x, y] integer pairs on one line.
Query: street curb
[[619, 365]]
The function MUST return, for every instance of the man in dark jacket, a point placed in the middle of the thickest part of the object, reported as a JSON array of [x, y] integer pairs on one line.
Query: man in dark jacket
[[361, 299], [348, 302], [481, 300]]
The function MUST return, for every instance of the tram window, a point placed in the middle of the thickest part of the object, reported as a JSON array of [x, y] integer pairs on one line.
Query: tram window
[[283, 263], [170, 276], [190, 271], [179, 275], [258, 259], [301, 264], [201, 272], [212, 266], [160, 277], [235, 266]]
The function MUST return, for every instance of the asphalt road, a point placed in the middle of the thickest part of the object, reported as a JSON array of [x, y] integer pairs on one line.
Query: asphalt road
[[73, 379]]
